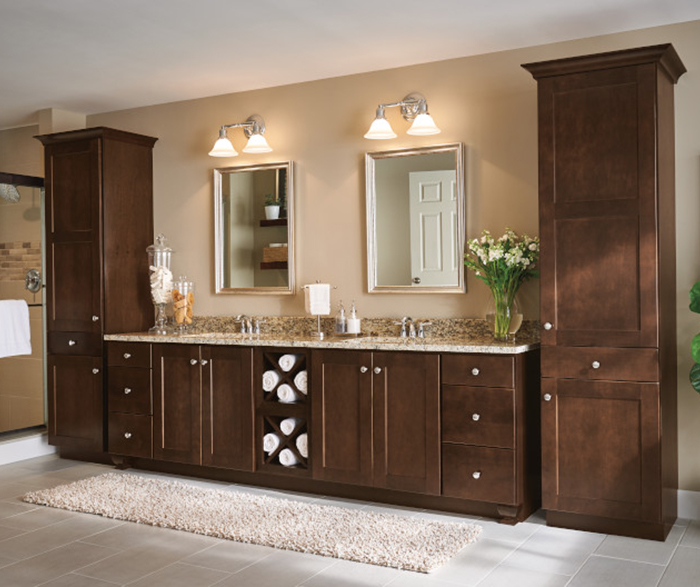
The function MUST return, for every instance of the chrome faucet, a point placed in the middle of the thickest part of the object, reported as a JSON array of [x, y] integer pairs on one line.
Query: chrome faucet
[[407, 327], [246, 324], [421, 327]]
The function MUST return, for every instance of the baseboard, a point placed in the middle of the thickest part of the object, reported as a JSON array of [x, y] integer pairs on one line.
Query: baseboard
[[25, 447]]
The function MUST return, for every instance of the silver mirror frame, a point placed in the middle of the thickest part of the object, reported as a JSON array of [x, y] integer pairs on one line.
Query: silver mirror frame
[[371, 200], [218, 236]]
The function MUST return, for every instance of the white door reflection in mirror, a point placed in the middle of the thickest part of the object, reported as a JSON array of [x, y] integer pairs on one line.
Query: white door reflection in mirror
[[415, 220], [433, 216]]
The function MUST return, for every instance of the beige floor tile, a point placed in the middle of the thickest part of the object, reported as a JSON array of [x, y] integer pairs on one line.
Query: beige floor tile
[[7, 532], [503, 576], [410, 579], [645, 551], [129, 535], [351, 574], [49, 565], [474, 562], [181, 575], [73, 580], [229, 556], [692, 535], [8, 509], [684, 568], [37, 518], [600, 571]]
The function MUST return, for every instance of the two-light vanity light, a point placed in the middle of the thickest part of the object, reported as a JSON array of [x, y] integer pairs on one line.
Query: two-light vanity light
[[254, 129], [413, 107]]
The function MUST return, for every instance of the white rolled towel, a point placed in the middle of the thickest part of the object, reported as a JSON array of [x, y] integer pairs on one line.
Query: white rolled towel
[[289, 424], [288, 458], [287, 362], [302, 443], [270, 379], [270, 442], [286, 394], [301, 381]]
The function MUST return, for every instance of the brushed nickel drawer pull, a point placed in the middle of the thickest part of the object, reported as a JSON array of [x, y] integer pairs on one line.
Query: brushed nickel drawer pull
[[72, 343], [595, 365], [475, 371], [194, 362], [203, 362], [127, 435], [547, 397], [127, 390], [377, 370], [95, 371], [363, 369], [547, 325], [127, 356], [476, 417], [476, 474], [95, 318]]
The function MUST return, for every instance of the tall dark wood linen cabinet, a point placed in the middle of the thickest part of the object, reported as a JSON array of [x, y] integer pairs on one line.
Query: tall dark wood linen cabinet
[[608, 285], [99, 221]]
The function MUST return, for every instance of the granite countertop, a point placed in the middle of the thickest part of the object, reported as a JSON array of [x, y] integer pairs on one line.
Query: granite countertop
[[483, 344]]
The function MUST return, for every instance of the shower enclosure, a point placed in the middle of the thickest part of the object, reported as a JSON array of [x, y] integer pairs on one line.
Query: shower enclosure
[[22, 397]]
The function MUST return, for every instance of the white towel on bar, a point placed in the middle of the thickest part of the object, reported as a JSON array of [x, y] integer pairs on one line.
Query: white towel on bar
[[289, 424], [301, 381], [288, 458], [317, 299], [302, 443], [286, 394], [270, 442], [270, 379], [15, 338], [287, 362]]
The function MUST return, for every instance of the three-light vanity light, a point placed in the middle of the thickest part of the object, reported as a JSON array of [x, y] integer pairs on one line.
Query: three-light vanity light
[[413, 108], [254, 129]]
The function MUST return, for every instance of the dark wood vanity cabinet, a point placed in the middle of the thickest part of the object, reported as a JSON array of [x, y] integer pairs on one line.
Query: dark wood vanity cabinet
[[202, 405], [99, 221], [376, 419], [608, 288]]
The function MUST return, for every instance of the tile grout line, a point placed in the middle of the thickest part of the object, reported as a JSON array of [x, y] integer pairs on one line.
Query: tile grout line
[[661, 578]]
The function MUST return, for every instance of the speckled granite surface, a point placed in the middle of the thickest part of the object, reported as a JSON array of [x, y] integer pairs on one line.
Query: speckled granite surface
[[458, 335]]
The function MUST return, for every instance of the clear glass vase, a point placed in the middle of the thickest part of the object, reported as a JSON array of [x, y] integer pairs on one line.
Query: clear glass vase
[[503, 318]]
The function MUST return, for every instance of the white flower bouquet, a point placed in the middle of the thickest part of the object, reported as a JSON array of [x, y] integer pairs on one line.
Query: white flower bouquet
[[503, 264]]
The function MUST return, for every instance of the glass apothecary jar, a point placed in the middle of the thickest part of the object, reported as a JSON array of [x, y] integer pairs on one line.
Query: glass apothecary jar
[[161, 278], [183, 304]]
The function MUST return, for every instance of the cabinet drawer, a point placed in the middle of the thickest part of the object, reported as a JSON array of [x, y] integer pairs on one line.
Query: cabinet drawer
[[480, 370], [74, 343], [129, 354], [480, 474], [600, 363], [481, 416], [129, 390], [130, 435]]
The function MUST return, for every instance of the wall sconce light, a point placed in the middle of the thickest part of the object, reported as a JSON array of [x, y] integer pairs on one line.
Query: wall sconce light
[[254, 129], [413, 107]]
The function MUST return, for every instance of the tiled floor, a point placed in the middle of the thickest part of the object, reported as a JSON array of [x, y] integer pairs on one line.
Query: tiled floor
[[55, 548]]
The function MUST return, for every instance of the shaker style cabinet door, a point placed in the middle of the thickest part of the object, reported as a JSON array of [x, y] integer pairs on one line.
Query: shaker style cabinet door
[[598, 208], [227, 408], [342, 416], [176, 403]]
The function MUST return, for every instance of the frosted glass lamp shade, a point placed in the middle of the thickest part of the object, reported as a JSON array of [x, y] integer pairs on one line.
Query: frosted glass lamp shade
[[223, 148], [423, 125], [257, 144], [380, 129]]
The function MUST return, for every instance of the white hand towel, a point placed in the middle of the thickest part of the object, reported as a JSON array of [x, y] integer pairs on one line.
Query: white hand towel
[[270, 442], [14, 328], [289, 424], [270, 379], [287, 362], [302, 443], [288, 458], [286, 394], [317, 299], [301, 381]]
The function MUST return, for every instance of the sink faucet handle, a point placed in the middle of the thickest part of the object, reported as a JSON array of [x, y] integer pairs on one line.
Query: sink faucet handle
[[256, 325], [421, 327], [245, 323]]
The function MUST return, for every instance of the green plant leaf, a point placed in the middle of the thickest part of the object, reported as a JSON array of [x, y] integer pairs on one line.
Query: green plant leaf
[[695, 297], [695, 377], [695, 348]]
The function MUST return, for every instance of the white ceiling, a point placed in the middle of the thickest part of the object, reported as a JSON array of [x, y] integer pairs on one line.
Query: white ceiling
[[91, 56]]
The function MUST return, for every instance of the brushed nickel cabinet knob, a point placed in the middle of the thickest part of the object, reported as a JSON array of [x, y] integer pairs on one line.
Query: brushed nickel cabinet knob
[[127, 356], [476, 417], [595, 365], [194, 362], [95, 371], [475, 371], [127, 390], [547, 397], [363, 369], [377, 370], [127, 435], [203, 362], [72, 343], [476, 474], [95, 318], [547, 326]]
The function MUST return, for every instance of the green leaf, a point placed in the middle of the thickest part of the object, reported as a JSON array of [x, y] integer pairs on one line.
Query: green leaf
[[695, 377], [695, 297], [695, 348]]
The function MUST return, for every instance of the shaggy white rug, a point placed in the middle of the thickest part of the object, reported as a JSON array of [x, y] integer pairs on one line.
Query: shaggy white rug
[[381, 539]]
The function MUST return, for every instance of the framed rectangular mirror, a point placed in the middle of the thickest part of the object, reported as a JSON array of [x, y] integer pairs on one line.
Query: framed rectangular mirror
[[253, 250], [416, 220]]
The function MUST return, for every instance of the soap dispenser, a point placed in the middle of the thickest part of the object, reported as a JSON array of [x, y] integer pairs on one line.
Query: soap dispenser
[[353, 322], [340, 321]]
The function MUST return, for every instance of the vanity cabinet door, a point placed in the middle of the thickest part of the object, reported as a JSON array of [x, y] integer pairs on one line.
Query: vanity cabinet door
[[227, 407], [341, 443], [406, 416], [176, 403]]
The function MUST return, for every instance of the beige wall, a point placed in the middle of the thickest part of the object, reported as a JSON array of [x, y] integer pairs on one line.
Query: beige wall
[[487, 102]]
